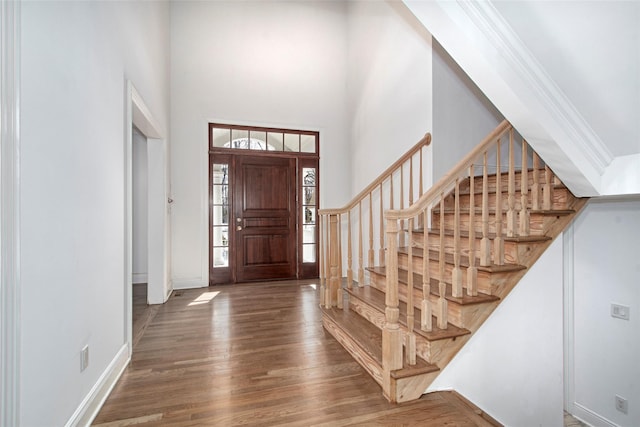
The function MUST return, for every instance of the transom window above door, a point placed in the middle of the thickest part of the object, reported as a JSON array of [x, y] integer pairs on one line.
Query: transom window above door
[[263, 139]]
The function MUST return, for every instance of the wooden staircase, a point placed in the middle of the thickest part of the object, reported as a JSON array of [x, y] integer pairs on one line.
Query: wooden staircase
[[447, 260]]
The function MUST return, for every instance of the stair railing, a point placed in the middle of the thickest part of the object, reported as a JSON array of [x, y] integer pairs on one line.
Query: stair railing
[[362, 219], [484, 218]]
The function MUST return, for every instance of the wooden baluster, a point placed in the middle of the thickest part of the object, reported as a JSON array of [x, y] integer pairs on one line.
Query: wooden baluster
[[523, 216], [339, 243], [381, 250], [485, 243], [349, 253], [472, 270], [327, 262], [498, 242], [442, 286], [422, 223], [402, 241], [420, 185], [323, 261], [391, 191], [547, 189], [340, 291], [411, 337], [535, 188], [391, 333], [426, 323], [331, 298], [381, 259], [360, 244], [371, 251], [456, 274], [411, 181], [511, 198]]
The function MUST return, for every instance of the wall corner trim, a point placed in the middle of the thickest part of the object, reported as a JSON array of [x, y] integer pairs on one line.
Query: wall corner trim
[[92, 403], [10, 313], [524, 64]]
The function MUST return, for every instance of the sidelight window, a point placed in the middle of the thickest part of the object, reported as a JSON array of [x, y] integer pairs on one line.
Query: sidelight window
[[220, 214], [309, 215]]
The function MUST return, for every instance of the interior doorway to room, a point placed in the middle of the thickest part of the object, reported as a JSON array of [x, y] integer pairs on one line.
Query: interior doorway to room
[[263, 187]]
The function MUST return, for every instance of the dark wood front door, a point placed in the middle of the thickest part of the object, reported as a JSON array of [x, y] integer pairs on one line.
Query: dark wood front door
[[264, 218]]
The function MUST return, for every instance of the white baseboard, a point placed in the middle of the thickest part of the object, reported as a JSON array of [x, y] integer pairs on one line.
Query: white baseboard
[[139, 278], [90, 406], [189, 283], [590, 417]]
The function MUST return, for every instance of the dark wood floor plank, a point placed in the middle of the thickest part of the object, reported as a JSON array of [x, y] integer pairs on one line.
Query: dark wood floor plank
[[254, 354]]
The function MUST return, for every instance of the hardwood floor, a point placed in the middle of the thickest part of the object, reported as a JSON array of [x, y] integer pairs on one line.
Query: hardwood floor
[[256, 354]]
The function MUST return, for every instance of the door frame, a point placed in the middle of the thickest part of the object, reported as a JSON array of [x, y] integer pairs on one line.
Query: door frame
[[10, 294], [158, 276], [303, 159]]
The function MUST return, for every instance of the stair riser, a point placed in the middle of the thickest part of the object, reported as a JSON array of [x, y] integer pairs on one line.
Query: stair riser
[[368, 363], [538, 223], [560, 201], [511, 249], [462, 316], [504, 182], [485, 280], [431, 351]]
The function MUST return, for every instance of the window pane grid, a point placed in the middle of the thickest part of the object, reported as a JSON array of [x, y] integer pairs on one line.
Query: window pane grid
[[220, 215], [262, 139]]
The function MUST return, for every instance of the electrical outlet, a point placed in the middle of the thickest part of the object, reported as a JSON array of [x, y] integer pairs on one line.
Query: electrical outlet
[[84, 358], [620, 311], [621, 404]]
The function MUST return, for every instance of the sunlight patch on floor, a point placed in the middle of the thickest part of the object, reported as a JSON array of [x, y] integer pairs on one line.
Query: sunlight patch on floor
[[204, 298]]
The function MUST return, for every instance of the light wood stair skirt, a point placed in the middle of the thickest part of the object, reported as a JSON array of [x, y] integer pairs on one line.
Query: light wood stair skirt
[[439, 261]]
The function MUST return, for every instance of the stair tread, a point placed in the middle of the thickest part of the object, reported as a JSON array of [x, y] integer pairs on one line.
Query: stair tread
[[376, 299], [465, 235], [435, 290], [464, 261], [369, 339]]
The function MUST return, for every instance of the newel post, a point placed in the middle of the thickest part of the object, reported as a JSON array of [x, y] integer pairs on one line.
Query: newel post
[[331, 299], [391, 334]]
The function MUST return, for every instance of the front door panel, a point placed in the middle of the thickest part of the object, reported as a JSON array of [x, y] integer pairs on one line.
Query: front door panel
[[265, 218]]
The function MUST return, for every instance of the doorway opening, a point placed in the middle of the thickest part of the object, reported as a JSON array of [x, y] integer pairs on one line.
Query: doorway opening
[[153, 148], [263, 188]]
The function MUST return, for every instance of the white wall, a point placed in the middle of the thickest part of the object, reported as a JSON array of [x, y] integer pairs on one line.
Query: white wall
[[512, 367], [389, 86], [140, 223], [76, 58], [462, 114], [257, 63], [605, 269]]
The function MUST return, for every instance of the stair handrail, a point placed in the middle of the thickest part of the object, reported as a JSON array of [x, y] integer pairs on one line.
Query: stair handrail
[[424, 142], [445, 183]]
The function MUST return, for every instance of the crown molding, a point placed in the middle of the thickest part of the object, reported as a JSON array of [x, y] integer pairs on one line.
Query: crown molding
[[10, 217], [523, 64]]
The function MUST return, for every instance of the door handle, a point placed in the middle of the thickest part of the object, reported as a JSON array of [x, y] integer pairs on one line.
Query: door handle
[[238, 228], [238, 221]]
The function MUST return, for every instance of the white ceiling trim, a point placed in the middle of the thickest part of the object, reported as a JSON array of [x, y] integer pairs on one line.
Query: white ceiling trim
[[484, 45], [488, 20]]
